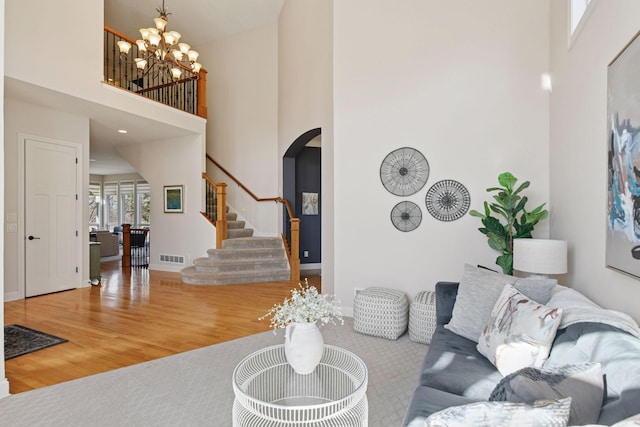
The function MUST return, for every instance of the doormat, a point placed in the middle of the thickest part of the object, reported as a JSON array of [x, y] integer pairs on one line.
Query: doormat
[[19, 340]]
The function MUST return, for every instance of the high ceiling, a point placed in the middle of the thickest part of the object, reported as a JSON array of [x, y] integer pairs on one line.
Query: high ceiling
[[200, 22]]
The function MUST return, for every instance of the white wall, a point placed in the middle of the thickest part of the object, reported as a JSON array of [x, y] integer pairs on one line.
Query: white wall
[[305, 99], [243, 126], [164, 163], [25, 118], [578, 156], [460, 82]]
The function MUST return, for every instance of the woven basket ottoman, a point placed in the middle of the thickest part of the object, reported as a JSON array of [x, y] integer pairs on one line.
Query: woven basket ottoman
[[381, 312], [422, 317]]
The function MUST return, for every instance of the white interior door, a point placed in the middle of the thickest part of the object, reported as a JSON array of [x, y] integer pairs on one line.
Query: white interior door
[[51, 218]]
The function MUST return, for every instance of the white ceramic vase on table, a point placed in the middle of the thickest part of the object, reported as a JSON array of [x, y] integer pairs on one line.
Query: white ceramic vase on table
[[303, 346]]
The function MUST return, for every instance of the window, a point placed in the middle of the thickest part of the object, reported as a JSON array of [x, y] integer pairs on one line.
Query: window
[[577, 14], [95, 206], [127, 202], [143, 191], [111, 205]]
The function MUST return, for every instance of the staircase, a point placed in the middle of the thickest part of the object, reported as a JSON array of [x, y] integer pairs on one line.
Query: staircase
[[242, 259]]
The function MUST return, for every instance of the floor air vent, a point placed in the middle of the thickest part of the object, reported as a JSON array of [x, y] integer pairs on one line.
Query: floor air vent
[[173, 259]]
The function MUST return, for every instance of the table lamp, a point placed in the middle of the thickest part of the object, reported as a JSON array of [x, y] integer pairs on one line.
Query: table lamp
[[540, 257]]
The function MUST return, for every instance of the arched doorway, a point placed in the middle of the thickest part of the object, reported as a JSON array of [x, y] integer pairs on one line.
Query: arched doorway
[[301, 171]]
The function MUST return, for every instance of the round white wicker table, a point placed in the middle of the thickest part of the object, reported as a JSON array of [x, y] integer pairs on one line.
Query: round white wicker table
[[268, 392]]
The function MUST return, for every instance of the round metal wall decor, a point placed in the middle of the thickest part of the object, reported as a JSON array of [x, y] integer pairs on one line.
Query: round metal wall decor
[[406, 216], [404, 171], [447, 200]]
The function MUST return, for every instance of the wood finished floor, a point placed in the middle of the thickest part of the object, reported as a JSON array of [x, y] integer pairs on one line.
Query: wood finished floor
[[134, 316]]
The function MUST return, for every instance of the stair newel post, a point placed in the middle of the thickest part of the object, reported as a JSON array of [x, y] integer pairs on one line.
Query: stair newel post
[[126, 245], [295, 250], [221, 217], [202, 94]]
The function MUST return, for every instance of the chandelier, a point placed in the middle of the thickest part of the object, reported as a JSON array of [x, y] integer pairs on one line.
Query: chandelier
[[160, 50]]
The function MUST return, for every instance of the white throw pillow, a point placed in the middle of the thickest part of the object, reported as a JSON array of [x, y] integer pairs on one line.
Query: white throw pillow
[[542, 413], [519, 333]]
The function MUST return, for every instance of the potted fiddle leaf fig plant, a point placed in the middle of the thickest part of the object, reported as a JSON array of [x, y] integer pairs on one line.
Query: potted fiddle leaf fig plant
[[507, 218]]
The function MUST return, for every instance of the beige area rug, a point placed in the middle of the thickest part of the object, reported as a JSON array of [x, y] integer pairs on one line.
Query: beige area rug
[[194, 388]]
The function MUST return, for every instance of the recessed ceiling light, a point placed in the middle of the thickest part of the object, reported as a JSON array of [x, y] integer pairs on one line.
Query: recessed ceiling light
[[122, 130]]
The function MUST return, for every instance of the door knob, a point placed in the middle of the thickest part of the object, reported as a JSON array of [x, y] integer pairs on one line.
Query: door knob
[[32, 238]]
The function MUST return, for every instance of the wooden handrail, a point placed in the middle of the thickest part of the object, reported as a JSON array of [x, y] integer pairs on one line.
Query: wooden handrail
[[249, 192]]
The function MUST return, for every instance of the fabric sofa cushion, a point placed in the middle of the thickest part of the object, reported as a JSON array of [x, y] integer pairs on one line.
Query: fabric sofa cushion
[[477, 294], [551, 413], [426, 401], [454, 365], [619, 354], [584, 383], [519, 333]]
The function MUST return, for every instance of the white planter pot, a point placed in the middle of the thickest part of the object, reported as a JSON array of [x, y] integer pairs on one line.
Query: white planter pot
[[303, 347]]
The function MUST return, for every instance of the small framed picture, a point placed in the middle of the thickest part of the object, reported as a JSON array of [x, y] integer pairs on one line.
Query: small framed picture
[[309, 203], [173, 198]]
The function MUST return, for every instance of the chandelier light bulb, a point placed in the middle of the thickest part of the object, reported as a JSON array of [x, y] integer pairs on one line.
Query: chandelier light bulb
[[169, 38], [160, 23], [177, 54], [141, 45], [154, 39], [176, 35], [176, 72], [184, 48], [195, 67], [144, 32], [141, 64], [193, 55], [124, 46]]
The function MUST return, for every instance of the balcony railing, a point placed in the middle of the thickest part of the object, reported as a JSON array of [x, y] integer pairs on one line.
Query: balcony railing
[[187, 94]]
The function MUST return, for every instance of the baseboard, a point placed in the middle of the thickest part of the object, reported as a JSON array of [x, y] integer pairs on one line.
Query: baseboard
[[4, 388], [12, 296]]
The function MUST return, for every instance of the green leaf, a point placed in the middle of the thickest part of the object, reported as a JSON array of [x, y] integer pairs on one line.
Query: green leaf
[[507, 180], [506, 262], [497, 242], [522, 186], [475, 213]]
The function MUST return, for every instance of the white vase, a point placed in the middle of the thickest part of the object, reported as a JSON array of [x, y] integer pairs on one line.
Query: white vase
[[303, 347]]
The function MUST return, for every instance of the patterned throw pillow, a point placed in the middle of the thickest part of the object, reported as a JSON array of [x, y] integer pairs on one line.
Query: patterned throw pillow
[[543, 413], [584, 383], [519, 333], [478, 292]]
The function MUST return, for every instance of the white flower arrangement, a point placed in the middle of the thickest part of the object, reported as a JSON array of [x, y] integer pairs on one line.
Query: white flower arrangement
[[305, 305]]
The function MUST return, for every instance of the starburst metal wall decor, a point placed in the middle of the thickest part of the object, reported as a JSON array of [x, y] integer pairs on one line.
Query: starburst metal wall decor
[[404, 171], [447, 200]]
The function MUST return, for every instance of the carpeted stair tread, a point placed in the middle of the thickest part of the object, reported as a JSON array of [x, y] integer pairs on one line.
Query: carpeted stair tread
[[233, 233], [253, 253], [192, 276], [234, 225], [213, 265], [252, 242]]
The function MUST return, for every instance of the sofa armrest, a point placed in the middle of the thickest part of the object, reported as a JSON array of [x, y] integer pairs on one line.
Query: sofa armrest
[[446, 293]]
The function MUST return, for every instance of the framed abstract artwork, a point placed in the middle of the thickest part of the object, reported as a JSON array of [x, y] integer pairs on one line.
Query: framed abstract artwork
[[623, 161], [174, 198]]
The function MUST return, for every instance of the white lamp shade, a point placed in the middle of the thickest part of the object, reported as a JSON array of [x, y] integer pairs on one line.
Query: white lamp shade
[[141, 45], [154, 39], [184, 48], [160, 23], [124, 46], [540, 256], [176, 72], [193, 55]]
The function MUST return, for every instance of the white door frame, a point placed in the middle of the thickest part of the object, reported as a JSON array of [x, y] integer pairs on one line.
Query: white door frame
[[80, 184]]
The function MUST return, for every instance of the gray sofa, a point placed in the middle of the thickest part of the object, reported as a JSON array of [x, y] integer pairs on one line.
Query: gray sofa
[[454, 373]]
